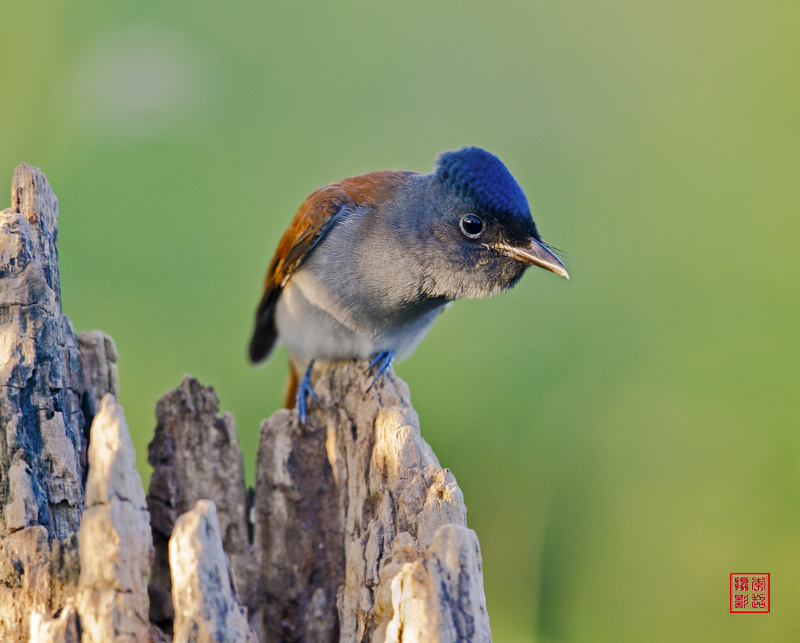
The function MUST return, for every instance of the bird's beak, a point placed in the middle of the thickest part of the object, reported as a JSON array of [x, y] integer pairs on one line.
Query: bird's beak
[[534, 254]]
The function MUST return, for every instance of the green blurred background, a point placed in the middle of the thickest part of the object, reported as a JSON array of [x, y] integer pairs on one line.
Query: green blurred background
[[624, 440]]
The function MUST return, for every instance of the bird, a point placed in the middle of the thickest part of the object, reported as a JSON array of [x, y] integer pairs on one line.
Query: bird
[[369, 262]]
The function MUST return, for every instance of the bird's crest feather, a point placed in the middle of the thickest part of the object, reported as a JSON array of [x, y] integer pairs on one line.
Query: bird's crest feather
[[482, 177]]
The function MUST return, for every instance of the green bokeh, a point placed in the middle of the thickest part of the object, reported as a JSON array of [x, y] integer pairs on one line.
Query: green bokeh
[[624, 440]]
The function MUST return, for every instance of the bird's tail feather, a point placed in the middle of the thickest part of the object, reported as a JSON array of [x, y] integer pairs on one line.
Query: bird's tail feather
[[291, 388]]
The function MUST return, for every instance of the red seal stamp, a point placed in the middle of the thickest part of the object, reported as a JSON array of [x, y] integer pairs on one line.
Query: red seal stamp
[[749, 593]]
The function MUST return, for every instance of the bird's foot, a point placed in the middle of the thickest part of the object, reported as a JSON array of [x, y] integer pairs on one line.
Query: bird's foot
[[379, 364], [305, 388]]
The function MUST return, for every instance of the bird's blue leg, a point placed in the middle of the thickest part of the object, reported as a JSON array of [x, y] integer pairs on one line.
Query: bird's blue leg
[[305, 388], [380, 363]]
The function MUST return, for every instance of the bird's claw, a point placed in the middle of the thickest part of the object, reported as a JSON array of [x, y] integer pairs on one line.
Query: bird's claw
[[305, 388], [380, 363]]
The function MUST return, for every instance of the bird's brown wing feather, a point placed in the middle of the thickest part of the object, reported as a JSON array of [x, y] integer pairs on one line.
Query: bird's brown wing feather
[[310, 224]]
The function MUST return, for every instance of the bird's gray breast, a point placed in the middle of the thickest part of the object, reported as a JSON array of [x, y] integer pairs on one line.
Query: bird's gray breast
[[359, 292]]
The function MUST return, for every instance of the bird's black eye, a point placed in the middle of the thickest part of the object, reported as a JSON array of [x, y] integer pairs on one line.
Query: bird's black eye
[[471, 225]]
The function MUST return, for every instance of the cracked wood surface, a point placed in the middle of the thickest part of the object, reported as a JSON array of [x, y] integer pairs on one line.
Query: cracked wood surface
[[351, 510]]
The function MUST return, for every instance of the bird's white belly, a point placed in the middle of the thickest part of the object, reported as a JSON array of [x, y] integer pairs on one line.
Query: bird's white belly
[[312, 325]]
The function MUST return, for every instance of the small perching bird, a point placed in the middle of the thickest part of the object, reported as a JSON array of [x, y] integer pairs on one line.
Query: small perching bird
[[369, 262]]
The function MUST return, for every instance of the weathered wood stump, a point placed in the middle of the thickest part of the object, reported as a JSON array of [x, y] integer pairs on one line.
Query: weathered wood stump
[[352, 533]]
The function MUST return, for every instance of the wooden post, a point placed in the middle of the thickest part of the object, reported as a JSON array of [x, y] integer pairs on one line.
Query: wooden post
[[353, 531]]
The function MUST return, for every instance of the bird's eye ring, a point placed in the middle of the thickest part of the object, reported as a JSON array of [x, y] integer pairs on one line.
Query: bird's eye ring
[[471, 225]]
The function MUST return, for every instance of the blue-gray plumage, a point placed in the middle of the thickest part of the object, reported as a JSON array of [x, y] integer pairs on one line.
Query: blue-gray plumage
[[369, 262]]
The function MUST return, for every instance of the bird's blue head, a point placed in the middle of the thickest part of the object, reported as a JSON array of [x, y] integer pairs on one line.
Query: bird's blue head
[[479, 235], [481, 177]]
